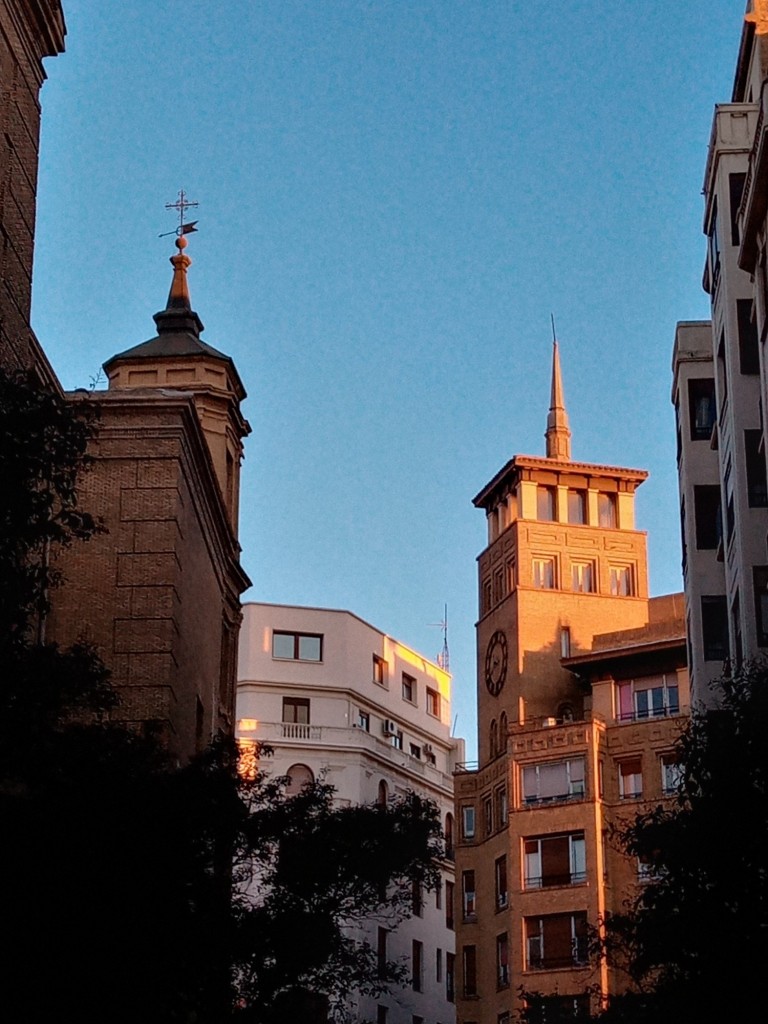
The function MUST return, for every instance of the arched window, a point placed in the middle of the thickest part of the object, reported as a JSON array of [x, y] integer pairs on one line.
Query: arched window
[[299, 775], [494, 738], [448, 835], [503, 729], [383, 795]]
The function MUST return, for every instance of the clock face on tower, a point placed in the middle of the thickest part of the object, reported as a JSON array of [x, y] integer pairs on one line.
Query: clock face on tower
[[496, 663]]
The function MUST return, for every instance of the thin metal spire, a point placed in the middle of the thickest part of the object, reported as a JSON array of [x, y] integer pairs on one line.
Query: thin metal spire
[[558, 434]]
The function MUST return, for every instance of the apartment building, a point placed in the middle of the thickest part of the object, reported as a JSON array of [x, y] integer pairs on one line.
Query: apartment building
[[720, 390], [336, 698], [582, 690]]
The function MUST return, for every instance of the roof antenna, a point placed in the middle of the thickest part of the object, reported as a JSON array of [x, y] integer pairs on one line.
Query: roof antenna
[[443, 658]]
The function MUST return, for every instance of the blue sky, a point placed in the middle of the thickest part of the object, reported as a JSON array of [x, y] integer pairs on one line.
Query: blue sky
[[393, 198]]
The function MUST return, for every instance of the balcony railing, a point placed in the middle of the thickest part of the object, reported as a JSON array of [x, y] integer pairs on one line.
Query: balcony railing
[[545, 881], [642, 716]]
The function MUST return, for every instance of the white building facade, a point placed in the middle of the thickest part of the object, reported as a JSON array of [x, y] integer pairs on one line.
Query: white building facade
[[333, 696]]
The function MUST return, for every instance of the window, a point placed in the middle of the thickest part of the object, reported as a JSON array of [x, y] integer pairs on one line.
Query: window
[[409, 688], [713, 248], [500, 874], [511, 575], [498, 585], [381, 1014], [438, 965], [621, 581], [583, 577], [297, 646], [544, 573], [450, 891], [702, 407], [486, 604], [545, 503], [714, 627], [606, 510], [630, 779], [760, 584], [757, 486], [738, 649], [382, 797], [647, 871], [503, 730], [469, 958], [450, 976], [493, 739], [501, 806], [379, 671], [488, 815], [553, 780], [439, 894], [577, 507], [722, 374], [415, 751], [671, 775], [417, 965], [709, 524], [448, 830], [381, 952], [433, 703], [749, 350], [417, 899], [396, 739], [554, 860], [299, 776], [735, 190], [648, 697], [555, 940], [565, 642], [296, 709], [468, 822], [364, 720], [502, 960], [557, 1009], [468, 896]]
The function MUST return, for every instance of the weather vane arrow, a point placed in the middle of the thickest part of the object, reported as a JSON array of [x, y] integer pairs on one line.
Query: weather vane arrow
[[181, 205]]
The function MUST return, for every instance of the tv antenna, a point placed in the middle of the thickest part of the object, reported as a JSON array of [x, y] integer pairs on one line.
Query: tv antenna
[[443, 658]]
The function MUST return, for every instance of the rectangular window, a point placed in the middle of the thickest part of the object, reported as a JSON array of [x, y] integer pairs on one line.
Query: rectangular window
[[417, 965], [583, 577], [396, 739], [606, 510], [553, 780], [555, 940], [498, 585], [469, 963], [381, 1014], [468, 896], [647, 697], [557, 1009], [502, 960], [450, 977], [511, 575], [450, 891], [631, 779], [671, 775], [296, 709], [735, 192], [415, 751], [577, 507], [554, 860], [381, 952], [545, 504], [409, 688], [709, 525], [487, 603], [544, 573], [439, 895], [438, 965], [757, 486], [714, 627], [364, 720], [622, 583], [297, 646], [417, 899], [702, 407], [722, 374], [468, 822], [500, 872], [433, 703], [749, 349], [713, 248], [488, 815], [501, 806], [380, 671], [760, 583]]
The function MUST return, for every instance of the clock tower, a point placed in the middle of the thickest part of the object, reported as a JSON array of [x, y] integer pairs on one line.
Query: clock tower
[[563, 562]]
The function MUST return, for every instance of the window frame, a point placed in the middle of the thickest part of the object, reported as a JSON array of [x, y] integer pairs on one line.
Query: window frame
[[297, 639]]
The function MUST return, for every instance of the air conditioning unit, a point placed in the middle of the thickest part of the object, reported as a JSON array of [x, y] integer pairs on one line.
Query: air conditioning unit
[[549, 723], [428, 748], [389, 727]]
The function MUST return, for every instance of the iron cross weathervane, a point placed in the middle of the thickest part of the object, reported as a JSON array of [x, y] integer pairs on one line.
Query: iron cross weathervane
[[182, 204]]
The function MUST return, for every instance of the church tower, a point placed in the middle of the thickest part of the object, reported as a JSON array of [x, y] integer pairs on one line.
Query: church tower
[[563, 562]]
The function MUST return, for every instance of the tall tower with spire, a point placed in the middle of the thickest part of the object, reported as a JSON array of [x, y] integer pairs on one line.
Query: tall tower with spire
[[159, 592], [558, 434]]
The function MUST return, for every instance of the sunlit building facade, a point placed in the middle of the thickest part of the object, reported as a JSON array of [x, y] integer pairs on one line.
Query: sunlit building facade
[[582, 690], [337, 699]]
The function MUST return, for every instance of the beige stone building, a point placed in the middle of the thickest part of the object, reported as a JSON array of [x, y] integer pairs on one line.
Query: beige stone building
[[582, 687], [720, 386]]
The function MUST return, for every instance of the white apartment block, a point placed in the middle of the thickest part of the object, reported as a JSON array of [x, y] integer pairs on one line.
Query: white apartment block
[[337, 698], [720, 391]]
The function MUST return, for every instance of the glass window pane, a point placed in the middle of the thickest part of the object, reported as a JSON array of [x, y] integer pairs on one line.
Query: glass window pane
[[282, 645], [309, 648]]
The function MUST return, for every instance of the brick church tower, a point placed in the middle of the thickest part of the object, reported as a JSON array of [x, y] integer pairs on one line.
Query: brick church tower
[[159, 593]]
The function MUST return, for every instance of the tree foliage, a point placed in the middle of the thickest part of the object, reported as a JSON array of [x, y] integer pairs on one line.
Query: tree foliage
[[132, 888], [695, 940]]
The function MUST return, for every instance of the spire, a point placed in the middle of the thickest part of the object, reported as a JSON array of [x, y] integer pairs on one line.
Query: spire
[[178, 314], [558, 434]]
